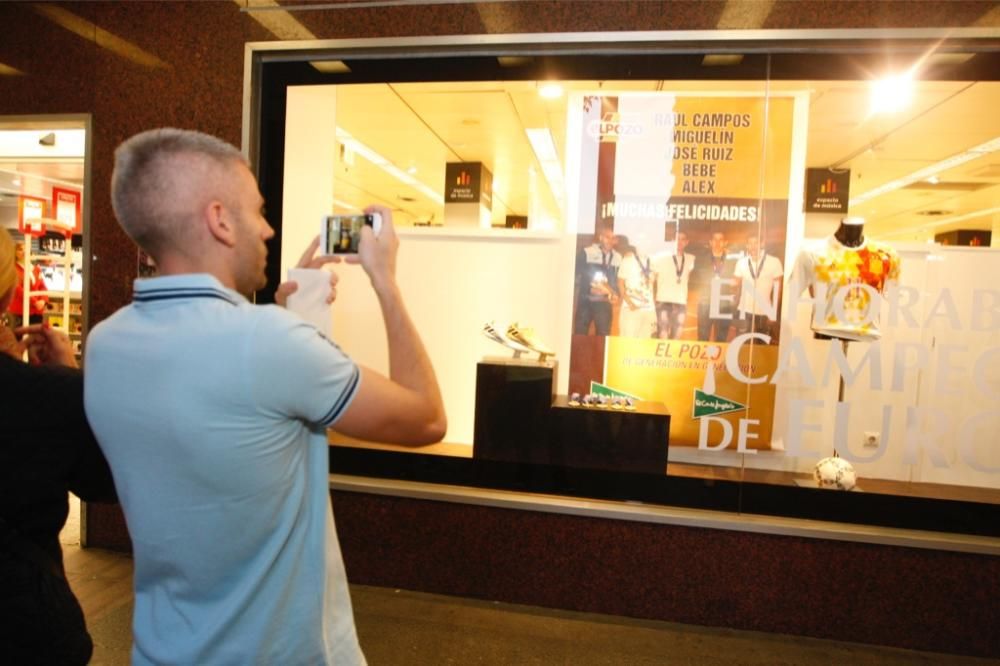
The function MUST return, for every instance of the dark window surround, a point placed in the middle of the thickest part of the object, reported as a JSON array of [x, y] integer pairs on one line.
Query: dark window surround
[[274, 71]]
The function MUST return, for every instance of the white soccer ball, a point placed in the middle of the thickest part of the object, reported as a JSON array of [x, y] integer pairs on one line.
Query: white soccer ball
[[835, 473]]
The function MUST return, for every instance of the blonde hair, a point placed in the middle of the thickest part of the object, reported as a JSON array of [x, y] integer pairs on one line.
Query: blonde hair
[[8, 276]]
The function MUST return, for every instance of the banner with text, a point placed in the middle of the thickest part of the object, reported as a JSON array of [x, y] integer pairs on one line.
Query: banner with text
[[685, 250]]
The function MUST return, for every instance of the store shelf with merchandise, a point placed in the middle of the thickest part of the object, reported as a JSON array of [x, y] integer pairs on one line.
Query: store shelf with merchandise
[[57, 259], [58, 318]]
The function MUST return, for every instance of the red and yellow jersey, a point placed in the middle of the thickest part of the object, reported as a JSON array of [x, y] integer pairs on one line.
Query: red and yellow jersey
[[847, 283]]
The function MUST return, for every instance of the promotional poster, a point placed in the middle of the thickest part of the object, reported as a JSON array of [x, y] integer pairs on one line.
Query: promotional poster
[[683, 250]]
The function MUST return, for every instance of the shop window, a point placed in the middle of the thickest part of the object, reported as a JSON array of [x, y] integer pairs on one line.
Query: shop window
[[764, 287]]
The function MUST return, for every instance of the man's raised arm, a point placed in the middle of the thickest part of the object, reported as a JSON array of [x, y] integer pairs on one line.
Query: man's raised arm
[[406, 406]]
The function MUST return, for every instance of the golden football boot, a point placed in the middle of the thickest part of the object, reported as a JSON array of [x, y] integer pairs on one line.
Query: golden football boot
[[526, 337], [490, 331]]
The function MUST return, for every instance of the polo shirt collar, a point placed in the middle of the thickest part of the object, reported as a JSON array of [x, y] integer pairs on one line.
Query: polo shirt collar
[[183, 287]]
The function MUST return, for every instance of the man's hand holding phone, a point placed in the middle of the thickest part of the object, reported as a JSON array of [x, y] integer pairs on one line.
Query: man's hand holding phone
[[377, 248]]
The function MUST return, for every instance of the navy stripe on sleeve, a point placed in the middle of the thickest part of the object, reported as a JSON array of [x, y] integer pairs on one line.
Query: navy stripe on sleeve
[[345, 397]]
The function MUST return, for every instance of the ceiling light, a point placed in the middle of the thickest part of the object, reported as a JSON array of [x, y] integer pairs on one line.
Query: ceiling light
[[949, 58], [966, 216], [514, 61], [923, 174], [412, 170], [16, 182], [891, 94], [944, 222], [99, 36], [541, 142], [275, 19], [330, 66], [722, 59], [550, 90], [933, 180], [352, 144], [7, 70]]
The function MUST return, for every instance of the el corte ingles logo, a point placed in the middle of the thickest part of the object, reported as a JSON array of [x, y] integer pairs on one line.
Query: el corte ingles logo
[[706, 402]]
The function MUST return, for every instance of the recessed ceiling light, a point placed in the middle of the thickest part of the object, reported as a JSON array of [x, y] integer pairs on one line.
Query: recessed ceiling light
[[550, 90], [976, 152], [722, 59], [330, 66], [514, 61], [949, 58], [933, 180], [16, 182], [891, 94]]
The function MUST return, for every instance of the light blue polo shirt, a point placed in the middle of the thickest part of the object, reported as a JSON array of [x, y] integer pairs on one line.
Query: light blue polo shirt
[[212, 413]]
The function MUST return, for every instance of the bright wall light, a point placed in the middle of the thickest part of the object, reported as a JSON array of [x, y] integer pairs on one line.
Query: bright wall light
[[550, 90], [892, 94]]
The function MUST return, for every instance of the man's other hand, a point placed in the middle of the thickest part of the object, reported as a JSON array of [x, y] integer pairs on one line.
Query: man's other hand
[[309, 260]]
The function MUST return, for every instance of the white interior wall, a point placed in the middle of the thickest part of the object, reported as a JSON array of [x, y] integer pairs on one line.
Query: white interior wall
[[310, 148], [452, 285]]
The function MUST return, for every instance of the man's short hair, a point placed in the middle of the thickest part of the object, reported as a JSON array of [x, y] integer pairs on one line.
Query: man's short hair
[[153, 186]]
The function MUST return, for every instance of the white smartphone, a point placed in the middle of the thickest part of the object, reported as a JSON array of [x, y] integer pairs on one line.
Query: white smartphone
[[341, 234]]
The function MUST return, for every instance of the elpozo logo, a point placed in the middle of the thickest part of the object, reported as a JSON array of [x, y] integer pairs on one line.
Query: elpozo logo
[[612, 126]]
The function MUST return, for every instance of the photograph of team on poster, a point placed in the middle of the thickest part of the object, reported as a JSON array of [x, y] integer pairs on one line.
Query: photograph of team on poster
[[681, 248], [665, 293]]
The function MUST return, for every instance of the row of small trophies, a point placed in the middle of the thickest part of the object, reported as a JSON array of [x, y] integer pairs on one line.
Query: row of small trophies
[[601, 401]]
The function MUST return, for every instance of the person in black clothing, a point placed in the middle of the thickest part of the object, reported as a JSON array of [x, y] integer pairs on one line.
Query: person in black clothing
[[42, 456], [714, 266]]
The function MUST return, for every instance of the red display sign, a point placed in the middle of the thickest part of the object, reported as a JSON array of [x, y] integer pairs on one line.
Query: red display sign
[[66, 206], [30, 214]]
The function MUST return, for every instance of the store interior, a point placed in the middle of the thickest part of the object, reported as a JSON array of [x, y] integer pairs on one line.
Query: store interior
[[924, 175], [39, 159], [42, 175], [923, 155]]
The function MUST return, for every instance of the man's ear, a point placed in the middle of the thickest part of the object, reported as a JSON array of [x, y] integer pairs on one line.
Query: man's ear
[[220, 223]]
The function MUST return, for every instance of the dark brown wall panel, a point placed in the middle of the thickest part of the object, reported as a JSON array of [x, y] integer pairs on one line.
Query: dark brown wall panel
[[921, 599], [926, 600]]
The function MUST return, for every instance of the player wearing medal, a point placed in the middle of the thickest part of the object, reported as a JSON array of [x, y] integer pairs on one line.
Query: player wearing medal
[[672, 274], [760, 274]]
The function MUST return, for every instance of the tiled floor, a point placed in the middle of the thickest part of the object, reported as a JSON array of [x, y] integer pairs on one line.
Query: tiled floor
[[411, 628]]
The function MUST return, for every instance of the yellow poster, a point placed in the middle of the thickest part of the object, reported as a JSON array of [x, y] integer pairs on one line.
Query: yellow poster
[[685, 259]]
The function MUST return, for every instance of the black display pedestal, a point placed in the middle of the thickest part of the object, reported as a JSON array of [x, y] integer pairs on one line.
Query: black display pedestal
[[616, 440], [520, 419], [513, 399]]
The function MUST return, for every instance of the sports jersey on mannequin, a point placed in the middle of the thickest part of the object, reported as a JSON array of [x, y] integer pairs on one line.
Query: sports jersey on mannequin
[[844, 272]]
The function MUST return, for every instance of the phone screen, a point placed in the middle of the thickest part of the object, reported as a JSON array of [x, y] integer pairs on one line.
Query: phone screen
[[342, 233]]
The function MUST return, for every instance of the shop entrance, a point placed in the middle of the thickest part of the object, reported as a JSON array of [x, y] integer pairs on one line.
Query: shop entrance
[[43, 205]]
